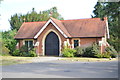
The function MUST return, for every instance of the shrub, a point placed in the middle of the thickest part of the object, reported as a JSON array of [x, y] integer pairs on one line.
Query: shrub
[[92, 51], [24, 54], [99, 55], [4, 51], [113, 55], [79, 51], [67, 52], [88, 52], [32, 53], [21, 54], [111, 51], [103, 55], [9, 41], [16, 53], [106, 55], [95, 49], [24, 48]]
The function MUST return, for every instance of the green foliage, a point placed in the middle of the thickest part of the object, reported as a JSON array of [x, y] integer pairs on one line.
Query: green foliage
[[99, 55], [91, 51], [79, 51], [25, 52], [111, 51], [95, 49], [16, 53], [15, 21], [24, 48], [112, 11], [88, 52], [8, 40], [67, 52], [106, 55], [4, 51], [99, 10], [32, 16], [103, 55], [32, 53]]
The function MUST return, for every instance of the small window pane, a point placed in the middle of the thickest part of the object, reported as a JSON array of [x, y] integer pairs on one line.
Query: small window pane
[[26, 43], [30, 44], [76, 43]]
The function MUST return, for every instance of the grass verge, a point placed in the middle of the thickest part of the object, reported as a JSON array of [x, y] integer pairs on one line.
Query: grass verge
[[88, 59], [11, 60]]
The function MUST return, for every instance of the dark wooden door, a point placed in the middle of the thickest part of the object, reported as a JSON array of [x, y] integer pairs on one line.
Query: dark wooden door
[[52, 45]]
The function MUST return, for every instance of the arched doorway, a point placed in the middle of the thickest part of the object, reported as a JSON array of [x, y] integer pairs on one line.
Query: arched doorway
[[52, 45]]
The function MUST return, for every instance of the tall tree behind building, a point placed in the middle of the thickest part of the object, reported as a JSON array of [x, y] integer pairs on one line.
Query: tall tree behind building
[[17, 19], [112, 11]]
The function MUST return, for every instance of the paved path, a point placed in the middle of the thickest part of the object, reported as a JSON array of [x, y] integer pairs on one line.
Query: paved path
[[62, 69], [44, 59]]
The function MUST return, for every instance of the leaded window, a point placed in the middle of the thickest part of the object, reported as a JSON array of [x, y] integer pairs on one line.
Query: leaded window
[[76, 43], [29, 44]]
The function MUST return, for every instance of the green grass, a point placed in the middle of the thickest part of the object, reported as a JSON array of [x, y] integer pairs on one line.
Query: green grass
[[84, 59], [11, 60]]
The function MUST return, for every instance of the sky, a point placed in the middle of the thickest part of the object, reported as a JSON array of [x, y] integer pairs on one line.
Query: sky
[[69, 9]]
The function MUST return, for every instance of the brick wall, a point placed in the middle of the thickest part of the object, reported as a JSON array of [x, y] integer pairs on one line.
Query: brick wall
[[84, 42], [41, 36]]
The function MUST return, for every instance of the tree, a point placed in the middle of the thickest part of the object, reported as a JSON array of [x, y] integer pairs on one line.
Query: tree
[[112, 11], [8, 40], [16, 21], [32, 16], [99, 10]]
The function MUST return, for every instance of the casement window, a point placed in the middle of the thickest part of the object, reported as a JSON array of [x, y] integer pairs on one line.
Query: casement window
[[76, 43], [29, 44]]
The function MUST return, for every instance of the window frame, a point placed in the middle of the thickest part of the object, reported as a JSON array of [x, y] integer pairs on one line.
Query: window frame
[[28, 45], [73, 42]]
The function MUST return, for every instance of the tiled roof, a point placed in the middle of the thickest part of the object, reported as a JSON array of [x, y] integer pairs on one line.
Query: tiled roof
[[92, 27], [61, 26], [29, 29]]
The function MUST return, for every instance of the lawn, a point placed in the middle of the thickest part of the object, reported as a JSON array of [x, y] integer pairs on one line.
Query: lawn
[[11, 60], [85, 59]]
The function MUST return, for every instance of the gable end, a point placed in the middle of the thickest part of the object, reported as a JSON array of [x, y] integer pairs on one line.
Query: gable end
[[50, 21]]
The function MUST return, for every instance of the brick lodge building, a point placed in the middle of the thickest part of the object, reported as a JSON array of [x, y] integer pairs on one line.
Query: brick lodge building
[[49, 37]]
